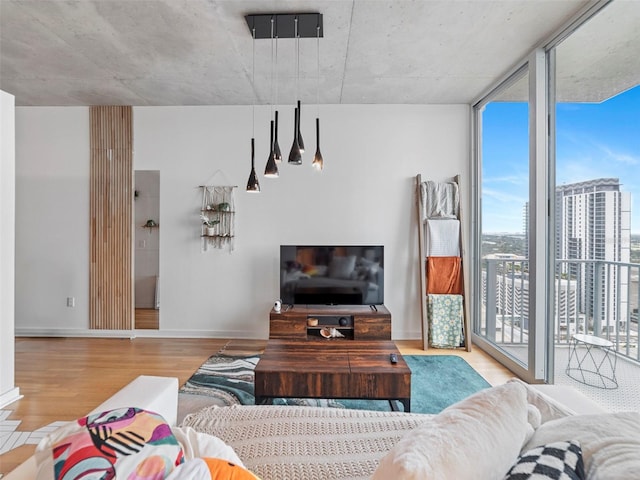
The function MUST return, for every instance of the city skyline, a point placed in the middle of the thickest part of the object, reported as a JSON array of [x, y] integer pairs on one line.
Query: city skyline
[[593, 141]]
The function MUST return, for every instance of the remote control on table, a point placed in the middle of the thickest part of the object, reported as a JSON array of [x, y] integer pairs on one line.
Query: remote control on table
[[393, 358]]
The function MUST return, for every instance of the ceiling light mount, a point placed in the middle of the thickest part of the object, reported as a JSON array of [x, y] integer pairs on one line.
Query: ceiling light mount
[[284, 25]]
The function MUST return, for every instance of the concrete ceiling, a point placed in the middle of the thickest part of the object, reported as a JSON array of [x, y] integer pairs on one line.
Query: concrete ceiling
[[199, 52]]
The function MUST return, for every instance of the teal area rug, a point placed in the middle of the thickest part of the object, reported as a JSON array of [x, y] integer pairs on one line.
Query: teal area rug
[[437, 381]]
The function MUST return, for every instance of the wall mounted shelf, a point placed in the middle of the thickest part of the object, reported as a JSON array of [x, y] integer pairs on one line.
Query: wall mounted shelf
[[217, 217]]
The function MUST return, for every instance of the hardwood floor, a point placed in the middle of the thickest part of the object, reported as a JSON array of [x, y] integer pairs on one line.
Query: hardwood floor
[[64, 378], [147, 318]]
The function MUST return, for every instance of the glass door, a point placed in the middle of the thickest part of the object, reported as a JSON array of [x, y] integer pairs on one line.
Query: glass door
[[503, 122], [597, 191]]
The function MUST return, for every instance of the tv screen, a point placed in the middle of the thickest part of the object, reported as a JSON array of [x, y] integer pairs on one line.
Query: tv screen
[[332, 274]]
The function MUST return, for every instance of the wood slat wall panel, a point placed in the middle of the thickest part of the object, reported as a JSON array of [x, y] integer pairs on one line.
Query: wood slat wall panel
[[111, 222]]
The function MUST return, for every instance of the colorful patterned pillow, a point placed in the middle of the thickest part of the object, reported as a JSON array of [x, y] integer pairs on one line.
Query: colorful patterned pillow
[[127, 443]]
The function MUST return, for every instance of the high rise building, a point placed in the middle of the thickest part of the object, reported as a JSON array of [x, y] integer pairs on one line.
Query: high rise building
[[593, 221], [593, 246]]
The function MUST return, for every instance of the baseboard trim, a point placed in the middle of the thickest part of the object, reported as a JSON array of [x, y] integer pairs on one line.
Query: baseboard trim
[[146, 333], [143, 333], [10, 396]]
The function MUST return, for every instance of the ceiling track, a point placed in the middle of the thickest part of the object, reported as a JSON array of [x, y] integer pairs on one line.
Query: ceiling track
[[284, 25]]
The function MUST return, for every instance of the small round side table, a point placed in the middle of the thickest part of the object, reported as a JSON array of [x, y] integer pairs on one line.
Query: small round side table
[[595, 357]]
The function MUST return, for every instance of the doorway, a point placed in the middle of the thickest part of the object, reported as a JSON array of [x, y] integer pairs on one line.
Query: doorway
[[147, 249]]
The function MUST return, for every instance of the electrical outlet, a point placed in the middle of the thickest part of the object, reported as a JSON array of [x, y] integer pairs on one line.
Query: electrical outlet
[[142, 243], [71, 301]]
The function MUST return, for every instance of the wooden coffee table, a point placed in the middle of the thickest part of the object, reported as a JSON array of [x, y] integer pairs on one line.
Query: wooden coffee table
[[332, 369]]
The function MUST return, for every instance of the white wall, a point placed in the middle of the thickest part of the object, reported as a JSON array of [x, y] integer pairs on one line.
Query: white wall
[[52, 218], [8, 390], [365, 195]]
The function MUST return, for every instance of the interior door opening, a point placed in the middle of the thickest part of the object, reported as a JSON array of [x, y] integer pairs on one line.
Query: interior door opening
[[147, 249]]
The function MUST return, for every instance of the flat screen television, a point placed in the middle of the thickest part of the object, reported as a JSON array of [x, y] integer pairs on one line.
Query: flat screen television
[[332, 274]]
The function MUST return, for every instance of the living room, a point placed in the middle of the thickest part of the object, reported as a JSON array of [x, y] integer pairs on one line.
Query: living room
[[374, 143], [365, 194]]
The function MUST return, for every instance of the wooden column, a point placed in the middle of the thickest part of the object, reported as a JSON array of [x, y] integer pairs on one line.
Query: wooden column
[[111, 223]]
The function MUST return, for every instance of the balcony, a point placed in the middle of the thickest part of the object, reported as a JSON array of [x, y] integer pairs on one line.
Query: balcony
[[592, 297]]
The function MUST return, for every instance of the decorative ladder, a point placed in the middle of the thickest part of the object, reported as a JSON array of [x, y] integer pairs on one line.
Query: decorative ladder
[[422, 224]]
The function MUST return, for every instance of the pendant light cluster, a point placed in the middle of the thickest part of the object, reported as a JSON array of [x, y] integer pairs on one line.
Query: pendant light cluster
[[275, 27]]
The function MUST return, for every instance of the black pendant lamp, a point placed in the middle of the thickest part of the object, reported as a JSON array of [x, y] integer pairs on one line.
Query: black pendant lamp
[[318, 163], [252, 184], [300, 141], [275, 146], [295, 156], [297, 149], [271, 169], [277, 154]]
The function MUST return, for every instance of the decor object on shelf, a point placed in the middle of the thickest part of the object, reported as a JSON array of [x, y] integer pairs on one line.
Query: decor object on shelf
[[217, 214], [330, 332], [150, 224], [209, 224]]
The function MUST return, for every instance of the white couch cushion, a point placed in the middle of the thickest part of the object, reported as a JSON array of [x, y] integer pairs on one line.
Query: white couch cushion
[[610, 442], [477, 438], [549, 408]]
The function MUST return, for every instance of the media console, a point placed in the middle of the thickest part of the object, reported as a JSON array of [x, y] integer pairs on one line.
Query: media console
[[359, 322]]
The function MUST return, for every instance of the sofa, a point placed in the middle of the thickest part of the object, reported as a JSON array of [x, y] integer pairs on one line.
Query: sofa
[[482, 437]]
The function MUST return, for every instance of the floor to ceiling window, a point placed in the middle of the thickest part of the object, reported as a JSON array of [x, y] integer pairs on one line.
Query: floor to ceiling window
[[585, 221], [503, 308], [597, 197]]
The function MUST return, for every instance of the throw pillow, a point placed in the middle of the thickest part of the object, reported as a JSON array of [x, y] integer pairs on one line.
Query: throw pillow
[[478, 437], [210, 469], [555, 461], [610, 442], [126, 443]]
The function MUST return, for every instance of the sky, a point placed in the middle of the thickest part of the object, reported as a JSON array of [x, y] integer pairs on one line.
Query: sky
[[593, 141]]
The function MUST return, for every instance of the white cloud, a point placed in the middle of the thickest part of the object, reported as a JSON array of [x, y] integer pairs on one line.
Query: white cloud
[[619, 157], [512, 179], [504, 197]]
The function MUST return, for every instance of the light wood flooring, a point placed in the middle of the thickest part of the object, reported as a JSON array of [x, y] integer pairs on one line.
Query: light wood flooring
[[147, 318], [64, 378]]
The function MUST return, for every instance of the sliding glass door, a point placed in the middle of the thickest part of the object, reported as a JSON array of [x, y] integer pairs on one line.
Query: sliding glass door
[[597, 204], [555, 161], [503, 308]]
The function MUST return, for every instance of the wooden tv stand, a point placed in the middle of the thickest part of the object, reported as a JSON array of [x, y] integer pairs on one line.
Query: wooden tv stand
[[354, 322]]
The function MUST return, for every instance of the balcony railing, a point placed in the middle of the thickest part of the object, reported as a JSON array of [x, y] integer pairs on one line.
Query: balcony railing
[[590, 296]]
